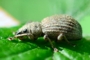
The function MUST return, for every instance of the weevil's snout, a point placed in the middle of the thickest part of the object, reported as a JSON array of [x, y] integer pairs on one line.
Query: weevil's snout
[[21, 32], [17, 33]]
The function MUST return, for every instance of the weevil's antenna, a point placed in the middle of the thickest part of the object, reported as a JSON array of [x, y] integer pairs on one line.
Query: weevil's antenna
[[16, 36], [11, 38]]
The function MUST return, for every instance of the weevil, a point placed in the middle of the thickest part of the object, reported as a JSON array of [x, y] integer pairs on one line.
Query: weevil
[[56, 27]]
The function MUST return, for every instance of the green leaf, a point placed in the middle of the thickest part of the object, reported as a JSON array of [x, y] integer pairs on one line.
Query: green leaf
[[41, 50], [30, 50]]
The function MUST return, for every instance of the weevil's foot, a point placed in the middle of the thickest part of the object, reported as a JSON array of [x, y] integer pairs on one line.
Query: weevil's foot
[[56, 50], [72, 44]]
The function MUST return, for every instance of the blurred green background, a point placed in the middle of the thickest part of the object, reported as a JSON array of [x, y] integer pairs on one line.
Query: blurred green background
[[36, 10]]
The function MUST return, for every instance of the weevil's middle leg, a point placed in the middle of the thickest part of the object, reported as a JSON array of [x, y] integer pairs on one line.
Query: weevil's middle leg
[[47, 38], [60, 37]]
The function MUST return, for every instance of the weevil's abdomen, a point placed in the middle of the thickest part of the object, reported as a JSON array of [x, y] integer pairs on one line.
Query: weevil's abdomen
[[54, 25]]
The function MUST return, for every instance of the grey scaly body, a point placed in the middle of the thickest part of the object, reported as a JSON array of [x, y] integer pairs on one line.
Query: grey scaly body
[[31, 30], [61, 24]]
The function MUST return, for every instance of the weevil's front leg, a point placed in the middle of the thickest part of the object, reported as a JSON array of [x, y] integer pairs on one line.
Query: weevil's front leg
[[47, 38], [30, 36]]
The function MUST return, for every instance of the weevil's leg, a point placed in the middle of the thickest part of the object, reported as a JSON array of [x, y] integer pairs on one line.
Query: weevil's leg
[[68, 41], [30, 36], [60, 37], [47, 38]]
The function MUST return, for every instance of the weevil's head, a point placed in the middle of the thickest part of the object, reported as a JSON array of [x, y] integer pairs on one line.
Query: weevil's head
[[32, 30]]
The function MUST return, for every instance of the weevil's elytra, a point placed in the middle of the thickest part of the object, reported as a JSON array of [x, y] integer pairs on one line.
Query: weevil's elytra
[[61, 27], [55, 25]]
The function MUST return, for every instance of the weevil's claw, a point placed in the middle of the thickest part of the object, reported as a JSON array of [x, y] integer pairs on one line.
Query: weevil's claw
[[56, 50]]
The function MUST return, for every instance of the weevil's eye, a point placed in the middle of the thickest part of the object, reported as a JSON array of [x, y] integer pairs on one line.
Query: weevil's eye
[[17, 33], [25, 31], [21, 32]]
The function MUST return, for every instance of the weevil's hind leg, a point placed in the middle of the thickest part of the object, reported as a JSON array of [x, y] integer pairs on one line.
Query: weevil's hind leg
[[68, 41], [60, 37], [47, 38]]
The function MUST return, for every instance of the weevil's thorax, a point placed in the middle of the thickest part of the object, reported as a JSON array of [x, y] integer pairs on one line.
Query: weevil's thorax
[[33, 28], [65, 24]]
